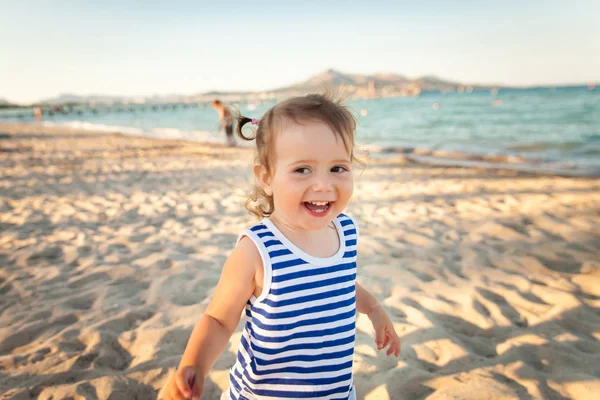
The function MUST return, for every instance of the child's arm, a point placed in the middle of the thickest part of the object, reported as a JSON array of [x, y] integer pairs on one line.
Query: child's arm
[[385, 333], [217, 324]]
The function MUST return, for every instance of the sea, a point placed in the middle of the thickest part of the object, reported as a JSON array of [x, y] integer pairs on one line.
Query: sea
[[555, 130]]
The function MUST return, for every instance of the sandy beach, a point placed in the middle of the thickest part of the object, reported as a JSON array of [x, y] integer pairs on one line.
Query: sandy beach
[[111, 245]]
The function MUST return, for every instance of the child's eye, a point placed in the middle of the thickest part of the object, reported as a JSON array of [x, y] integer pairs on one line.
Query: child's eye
[[302, 170], [339, 168]]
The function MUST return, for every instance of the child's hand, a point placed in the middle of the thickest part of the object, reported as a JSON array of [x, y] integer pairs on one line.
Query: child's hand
[[385, 334], [185, 383]]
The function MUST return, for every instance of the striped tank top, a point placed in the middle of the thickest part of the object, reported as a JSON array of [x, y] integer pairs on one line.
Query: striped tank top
[[298, 339]]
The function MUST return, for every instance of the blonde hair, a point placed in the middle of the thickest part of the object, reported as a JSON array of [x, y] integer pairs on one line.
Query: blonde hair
[[313, 107]]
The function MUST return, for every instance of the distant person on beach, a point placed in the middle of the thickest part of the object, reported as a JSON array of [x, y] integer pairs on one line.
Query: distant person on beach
[[225, 120], [293, 274], [37, 113]]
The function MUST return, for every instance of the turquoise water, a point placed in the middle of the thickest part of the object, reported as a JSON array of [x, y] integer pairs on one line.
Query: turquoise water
[[552, 125]]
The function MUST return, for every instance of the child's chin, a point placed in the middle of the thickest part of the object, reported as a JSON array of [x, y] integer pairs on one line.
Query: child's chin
[[318, 223]]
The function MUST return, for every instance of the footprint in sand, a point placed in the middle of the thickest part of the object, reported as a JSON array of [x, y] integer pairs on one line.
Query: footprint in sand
[[84, 361], [39, 355], [95, 278], [424, 277], [127, 321], [481, 309], [84, 302], [31, 332], [508, 311], [70, 346], [52, 255], [87, 391], [103, 350]]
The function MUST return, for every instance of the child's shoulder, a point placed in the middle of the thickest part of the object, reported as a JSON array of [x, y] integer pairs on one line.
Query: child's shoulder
[[246, 247], [249, 252], [246, 254], [251, 241]]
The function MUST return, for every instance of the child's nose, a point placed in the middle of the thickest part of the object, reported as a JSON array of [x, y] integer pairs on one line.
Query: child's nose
[[322, 183]]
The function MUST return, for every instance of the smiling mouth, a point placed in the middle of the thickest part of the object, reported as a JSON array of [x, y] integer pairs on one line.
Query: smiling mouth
[[318, 207]]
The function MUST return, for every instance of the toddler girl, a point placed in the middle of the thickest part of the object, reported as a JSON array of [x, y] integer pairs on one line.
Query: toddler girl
[[294, 272]]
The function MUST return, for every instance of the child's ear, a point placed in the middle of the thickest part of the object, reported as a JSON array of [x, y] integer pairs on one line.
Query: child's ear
[[263, 178]]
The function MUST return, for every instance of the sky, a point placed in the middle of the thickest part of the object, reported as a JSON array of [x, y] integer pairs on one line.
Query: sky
[[142, 48]]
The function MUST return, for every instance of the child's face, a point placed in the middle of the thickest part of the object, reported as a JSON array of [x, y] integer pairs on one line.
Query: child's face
[[311, 180]]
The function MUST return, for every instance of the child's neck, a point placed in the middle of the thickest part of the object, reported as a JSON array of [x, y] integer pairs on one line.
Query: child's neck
[[321, 243]]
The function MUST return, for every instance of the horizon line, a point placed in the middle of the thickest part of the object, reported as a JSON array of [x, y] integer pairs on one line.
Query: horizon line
[[491, 85]]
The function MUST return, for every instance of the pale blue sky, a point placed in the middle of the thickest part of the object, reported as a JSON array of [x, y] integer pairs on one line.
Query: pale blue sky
[[150, 47]]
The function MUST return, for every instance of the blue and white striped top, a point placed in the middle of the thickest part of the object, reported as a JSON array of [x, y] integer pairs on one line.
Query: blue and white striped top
[[298, 340]]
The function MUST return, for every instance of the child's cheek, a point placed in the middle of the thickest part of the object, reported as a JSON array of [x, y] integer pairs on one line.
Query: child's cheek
[[349, 186]]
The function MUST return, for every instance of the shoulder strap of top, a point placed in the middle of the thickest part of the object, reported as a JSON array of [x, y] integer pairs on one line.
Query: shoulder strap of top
[[349, 226], [260, 236]]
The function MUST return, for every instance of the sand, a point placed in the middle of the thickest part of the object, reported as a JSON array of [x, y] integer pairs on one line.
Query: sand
[[111, 246]]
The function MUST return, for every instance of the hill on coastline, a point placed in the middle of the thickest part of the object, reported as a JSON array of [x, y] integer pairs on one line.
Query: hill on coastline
[[352, 85]]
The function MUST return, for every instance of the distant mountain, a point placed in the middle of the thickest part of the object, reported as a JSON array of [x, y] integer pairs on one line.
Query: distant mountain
[[331, 77], [353, 85], [335, 78], [7, 104], [376, 85], [433, 84]]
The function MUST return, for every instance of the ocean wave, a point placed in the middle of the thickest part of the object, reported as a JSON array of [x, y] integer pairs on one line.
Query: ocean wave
[[90, 126], [545, 146], [485, 161]]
